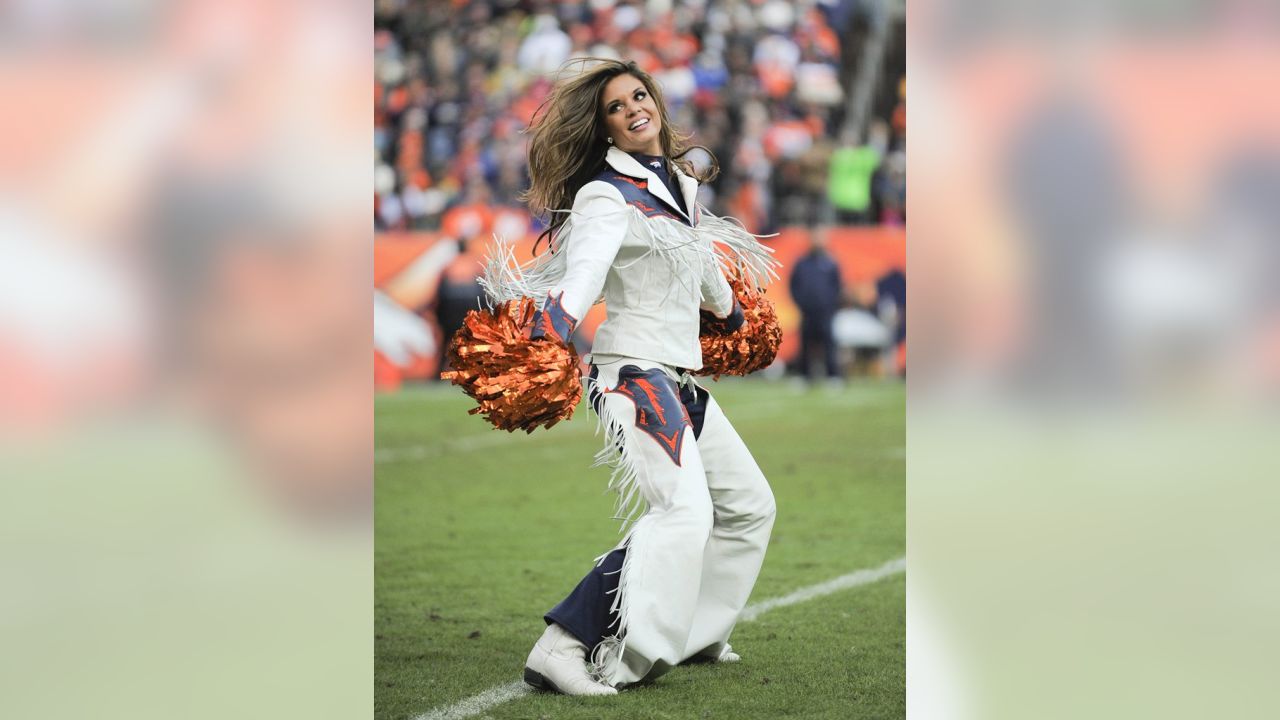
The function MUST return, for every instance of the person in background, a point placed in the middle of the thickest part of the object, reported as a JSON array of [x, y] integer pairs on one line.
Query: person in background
[[817, 290], [459, 292], [890, 190], [891, 308], [852, 168]]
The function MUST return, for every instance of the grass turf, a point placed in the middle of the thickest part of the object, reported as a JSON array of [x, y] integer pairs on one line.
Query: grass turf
[[480, 532]]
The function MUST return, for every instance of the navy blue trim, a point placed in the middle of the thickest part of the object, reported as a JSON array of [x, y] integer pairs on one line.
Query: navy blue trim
[[585, 614], [695, 400], [657, 165], [736, 318], [551, 319], [635, 192], [711, 325]]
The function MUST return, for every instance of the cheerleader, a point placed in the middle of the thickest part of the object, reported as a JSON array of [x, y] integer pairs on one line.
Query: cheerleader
[[609, 172]]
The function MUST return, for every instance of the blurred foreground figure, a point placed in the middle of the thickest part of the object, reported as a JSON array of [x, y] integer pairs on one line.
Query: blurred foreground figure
[[191, 446]]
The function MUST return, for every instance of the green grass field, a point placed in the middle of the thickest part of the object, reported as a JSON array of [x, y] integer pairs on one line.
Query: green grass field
[[479, 532]]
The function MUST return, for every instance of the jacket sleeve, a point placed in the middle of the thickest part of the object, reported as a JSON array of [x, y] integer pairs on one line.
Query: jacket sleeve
[[718, 299], [717, 296], [597, 227]]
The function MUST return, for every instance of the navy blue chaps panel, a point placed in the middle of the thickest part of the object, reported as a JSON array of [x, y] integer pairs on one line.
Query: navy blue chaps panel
[[585, 612]]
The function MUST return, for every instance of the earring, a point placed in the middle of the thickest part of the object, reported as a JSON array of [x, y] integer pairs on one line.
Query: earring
[[610, 140]]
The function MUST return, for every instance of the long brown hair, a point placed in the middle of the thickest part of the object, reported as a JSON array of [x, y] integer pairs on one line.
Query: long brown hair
[[568, 143]]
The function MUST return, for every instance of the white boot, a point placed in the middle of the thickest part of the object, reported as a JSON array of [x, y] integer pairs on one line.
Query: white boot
[[727, 655], [724, 655], [558, 663]]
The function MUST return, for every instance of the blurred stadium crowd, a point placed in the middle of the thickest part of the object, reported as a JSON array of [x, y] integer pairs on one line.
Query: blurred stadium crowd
[[765, 84], [802, 103]]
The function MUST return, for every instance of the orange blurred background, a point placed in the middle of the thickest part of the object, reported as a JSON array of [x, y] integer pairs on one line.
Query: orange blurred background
[[863, 253]]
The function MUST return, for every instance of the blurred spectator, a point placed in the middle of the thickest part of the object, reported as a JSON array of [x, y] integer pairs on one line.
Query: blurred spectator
[[471, 218], [891, 309], [851, 171], [751, 171], [818, 291], [889, 189], [459, 292], [545, 48], [811, 188], [900, 114]]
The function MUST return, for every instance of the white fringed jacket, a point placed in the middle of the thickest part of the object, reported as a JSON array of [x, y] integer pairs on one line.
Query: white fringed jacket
[[627, 242]]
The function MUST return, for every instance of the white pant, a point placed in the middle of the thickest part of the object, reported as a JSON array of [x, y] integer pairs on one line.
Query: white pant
[[694, 556]]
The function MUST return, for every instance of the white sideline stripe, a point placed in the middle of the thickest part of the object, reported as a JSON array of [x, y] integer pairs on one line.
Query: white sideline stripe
[[480, 703], [844, 582], [497, 695]]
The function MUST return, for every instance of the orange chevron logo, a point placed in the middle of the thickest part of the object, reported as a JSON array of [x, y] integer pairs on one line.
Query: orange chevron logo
[[672, 443], [649, 390], [656, 401]]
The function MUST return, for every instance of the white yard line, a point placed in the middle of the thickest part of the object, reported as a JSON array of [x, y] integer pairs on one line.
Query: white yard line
[[478, 703], [844, 582], [495, 696]]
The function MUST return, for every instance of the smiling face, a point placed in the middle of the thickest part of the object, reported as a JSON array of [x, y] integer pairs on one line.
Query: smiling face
[[631, 115]]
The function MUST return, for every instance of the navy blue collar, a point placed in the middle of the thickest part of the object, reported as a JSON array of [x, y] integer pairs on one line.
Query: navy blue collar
[[624, 163], [656, 163]]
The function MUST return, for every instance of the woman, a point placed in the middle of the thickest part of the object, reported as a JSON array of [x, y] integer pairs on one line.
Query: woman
[[675, 585]]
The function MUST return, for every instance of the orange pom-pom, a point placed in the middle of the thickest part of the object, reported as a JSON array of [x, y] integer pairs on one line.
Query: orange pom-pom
[[518, 383], [749, 348]]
